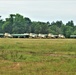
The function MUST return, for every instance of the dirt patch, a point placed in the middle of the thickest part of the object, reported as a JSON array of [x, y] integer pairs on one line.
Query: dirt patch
[[15, 66]]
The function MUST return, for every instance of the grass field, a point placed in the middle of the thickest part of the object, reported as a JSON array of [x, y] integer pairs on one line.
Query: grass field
[[37, 56]]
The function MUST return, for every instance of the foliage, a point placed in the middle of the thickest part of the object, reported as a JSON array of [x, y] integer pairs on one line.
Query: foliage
[[1, 23], [16, 23], [39, 27]]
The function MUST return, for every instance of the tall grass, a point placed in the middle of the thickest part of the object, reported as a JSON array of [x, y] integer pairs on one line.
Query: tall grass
[[37, 56]]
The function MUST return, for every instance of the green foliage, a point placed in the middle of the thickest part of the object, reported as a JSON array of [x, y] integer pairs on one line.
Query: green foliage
[[7, 27], [16, 23], [1, 23], [74, 33], [70, 23], [68, 31], [39, 27]]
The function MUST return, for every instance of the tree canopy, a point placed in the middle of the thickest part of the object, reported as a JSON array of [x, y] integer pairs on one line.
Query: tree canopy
[[17, 23]]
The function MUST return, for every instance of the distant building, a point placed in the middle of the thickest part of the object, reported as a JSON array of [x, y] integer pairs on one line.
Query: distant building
[[72, 36], [1, 35], [25, 35]]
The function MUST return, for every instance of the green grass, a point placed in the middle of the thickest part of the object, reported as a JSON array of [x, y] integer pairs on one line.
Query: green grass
[[37, 56]]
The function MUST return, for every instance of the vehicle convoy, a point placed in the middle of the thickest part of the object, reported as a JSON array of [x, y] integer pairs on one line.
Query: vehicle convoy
[[30, 35]]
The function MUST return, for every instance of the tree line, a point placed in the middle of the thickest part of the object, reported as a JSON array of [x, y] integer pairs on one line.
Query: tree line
[[17, 24]]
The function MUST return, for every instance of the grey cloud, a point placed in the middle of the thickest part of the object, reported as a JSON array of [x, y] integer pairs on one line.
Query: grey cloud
[[44, 10]]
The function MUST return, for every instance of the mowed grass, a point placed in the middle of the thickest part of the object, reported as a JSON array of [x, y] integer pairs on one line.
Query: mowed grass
[[37, 56]]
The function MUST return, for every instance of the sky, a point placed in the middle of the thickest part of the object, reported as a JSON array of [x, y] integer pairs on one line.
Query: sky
[[40, 10]]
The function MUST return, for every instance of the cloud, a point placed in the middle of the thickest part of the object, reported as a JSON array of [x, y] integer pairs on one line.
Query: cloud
[[40, 9]]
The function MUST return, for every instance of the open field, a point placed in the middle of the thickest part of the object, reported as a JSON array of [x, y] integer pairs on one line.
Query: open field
[[37, 56]]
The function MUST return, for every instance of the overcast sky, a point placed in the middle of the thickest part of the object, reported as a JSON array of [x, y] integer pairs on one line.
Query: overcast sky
[[40, 10]]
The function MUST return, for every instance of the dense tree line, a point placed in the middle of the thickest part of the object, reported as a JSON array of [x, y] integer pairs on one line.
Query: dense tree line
[[18, 24]]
